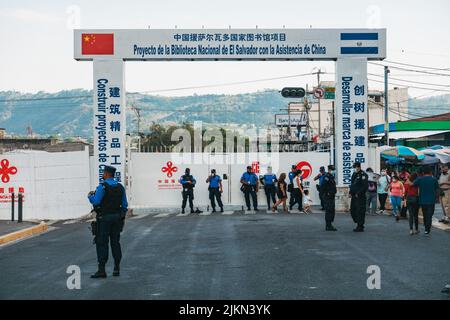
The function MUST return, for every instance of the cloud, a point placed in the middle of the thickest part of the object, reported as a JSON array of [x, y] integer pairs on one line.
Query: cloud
[[26, 15]]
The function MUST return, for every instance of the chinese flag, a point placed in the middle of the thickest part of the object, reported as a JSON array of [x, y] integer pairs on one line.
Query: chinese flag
[[97, 43]]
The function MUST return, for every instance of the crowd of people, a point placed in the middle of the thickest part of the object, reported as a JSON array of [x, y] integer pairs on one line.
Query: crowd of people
[[408, 193]]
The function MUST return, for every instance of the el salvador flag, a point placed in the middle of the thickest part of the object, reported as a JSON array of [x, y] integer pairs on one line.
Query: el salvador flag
[[359, 43]]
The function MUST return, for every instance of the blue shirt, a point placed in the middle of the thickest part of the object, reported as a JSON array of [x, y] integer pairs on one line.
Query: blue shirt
[[428, 185], [184, 181], [97, 198], [269, 179], [291, 176], [214, 181], [321, 179], [250, 178]]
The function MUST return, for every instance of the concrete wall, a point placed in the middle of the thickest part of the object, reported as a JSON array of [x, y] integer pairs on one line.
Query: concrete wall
[[55, 185], [150, 187]]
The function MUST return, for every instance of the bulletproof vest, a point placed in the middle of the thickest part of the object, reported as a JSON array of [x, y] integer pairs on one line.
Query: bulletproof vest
[[188, 178], [330, 184], [112, 199]]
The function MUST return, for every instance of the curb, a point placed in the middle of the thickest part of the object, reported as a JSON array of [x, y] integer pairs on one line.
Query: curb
[[24, 233]]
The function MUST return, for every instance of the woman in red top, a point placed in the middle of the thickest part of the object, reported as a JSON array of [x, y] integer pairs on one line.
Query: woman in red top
[[412, 202]]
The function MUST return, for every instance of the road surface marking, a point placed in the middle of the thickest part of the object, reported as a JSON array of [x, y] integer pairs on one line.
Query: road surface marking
[[162, 215], [183, 214], [140, 216]]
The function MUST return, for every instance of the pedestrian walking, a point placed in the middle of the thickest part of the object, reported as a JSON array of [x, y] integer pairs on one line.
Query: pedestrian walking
[[281, 193], [383, 189], [297, 191], [428, 190], [291, 176], [307, 202], [412, 203], [371, 193], [397, 192], [444, 185]]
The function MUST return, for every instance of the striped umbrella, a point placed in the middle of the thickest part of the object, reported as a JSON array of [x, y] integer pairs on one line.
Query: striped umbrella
[[404, 152], [439, 154]]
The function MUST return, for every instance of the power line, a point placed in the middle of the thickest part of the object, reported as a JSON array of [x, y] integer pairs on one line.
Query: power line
[[45, 98], [224, 84], [411, 81], [416, 66], [411, 70], [169, 89], [408, 86]]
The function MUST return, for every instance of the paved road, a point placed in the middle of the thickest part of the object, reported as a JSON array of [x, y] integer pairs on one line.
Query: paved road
[[262, 256]]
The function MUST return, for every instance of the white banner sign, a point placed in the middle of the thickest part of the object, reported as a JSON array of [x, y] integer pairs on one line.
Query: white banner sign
[[109, 117], [351, 116], [293, 120], [230, 44]]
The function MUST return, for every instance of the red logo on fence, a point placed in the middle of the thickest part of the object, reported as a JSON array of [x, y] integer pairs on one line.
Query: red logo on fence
[[6, 170], [255, 167], [306, 169], [169, 169]]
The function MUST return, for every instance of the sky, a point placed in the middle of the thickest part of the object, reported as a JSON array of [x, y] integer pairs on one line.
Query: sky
[[37, 41]]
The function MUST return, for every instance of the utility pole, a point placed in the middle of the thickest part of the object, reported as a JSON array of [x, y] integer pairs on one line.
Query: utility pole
[[386, 105], [137, 112], [318, 73]]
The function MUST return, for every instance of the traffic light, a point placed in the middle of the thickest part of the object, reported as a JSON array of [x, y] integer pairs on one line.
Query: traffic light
[[293, 92]]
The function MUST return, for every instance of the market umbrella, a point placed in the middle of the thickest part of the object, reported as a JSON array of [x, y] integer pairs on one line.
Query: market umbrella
[[437, 148], [429, 159], [406, 153], [438, 154]]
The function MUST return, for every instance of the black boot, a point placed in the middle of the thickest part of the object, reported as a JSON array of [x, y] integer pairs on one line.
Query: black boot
[[221, 209], [330, 228], [359, 229], [101, 273], [116, 271], [182, 211]]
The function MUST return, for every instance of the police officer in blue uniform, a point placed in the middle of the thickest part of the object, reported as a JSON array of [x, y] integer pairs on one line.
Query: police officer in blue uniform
[[320, 177], [215, 190], [188, 182], [358, 188], [250, 186], [110, 204], [268, 181], [329, 190]]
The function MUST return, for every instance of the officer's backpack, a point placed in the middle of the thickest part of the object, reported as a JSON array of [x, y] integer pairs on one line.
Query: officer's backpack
[[112, 200]]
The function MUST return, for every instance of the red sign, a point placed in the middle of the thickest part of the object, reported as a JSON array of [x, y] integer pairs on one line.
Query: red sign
[[306, 169], [169, 169], [97, 43], [319, 93], [6, 170], [255, 167]]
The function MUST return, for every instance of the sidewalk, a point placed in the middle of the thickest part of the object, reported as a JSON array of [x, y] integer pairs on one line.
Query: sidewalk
[[12, 230]]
